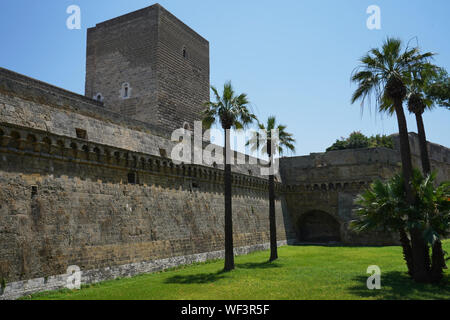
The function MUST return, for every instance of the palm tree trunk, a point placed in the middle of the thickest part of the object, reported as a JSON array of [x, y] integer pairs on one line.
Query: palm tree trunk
[[426, 166], [229, 254], [438, 260], [405, 151], [421, 257], [417, 241], [407, 252], [272, 221]]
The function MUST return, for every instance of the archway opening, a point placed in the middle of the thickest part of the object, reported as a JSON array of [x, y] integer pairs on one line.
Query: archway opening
[[318, 226]]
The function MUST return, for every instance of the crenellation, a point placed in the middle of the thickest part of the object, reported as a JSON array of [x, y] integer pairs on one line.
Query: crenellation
[[77, 150]]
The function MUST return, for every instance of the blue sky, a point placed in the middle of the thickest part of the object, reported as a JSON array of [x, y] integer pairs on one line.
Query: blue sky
[[293, 58]]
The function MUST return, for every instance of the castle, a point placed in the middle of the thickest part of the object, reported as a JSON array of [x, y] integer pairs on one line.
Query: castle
[[87, 180]]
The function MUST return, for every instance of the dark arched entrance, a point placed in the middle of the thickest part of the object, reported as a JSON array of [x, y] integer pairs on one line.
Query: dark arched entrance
[[318, 226]]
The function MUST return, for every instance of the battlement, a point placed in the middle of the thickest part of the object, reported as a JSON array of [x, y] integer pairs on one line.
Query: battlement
[[339, 166], [344, 157], [360, 164], [23, 141], [143, 13]]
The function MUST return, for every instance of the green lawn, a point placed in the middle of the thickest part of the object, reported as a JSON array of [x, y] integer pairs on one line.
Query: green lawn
[[302, 272]]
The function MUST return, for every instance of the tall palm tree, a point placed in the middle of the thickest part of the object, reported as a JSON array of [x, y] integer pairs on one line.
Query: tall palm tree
[[265, 141], [383, 74], [231, 111], [423, 80], [418, 103]]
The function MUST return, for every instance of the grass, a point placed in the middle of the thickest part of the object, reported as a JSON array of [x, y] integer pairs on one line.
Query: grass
[[301, 273]]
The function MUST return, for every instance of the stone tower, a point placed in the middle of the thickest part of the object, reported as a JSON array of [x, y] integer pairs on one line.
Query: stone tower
[[150, 66]]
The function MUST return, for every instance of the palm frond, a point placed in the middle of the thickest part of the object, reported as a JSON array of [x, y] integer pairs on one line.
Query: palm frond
[[229, 109], [282, 142], [381, 64]]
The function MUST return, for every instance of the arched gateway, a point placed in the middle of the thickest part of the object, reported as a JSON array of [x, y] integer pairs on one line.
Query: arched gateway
[[318, 226]]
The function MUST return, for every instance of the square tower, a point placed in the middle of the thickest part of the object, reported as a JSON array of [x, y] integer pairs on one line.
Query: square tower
[[150, 66]]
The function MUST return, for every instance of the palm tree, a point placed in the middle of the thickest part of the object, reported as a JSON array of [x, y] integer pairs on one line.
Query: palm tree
[[419, 101], [231, 111], [423, 80], [384, 75], [382, 208], [267, 142]]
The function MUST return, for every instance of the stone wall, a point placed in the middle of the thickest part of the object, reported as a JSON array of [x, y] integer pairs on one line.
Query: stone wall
[[110, 199], [320, 211], [320, 189], [439, 156], [342, 166], [123, 50], [67, 203], [31, 103], [183, 72], [164, 63]]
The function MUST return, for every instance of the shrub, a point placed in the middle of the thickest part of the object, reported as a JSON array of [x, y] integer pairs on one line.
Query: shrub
[[357, 140]]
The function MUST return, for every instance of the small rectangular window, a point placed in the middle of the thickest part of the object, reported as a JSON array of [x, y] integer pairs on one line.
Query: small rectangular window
[[81, 134], [132, 178], [34, 191], [194, 187]]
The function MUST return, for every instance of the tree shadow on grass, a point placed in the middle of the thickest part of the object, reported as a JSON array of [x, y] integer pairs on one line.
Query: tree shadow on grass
[[203, 278], [200, 278], [397, 285], [258, 265], [337, 245]]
